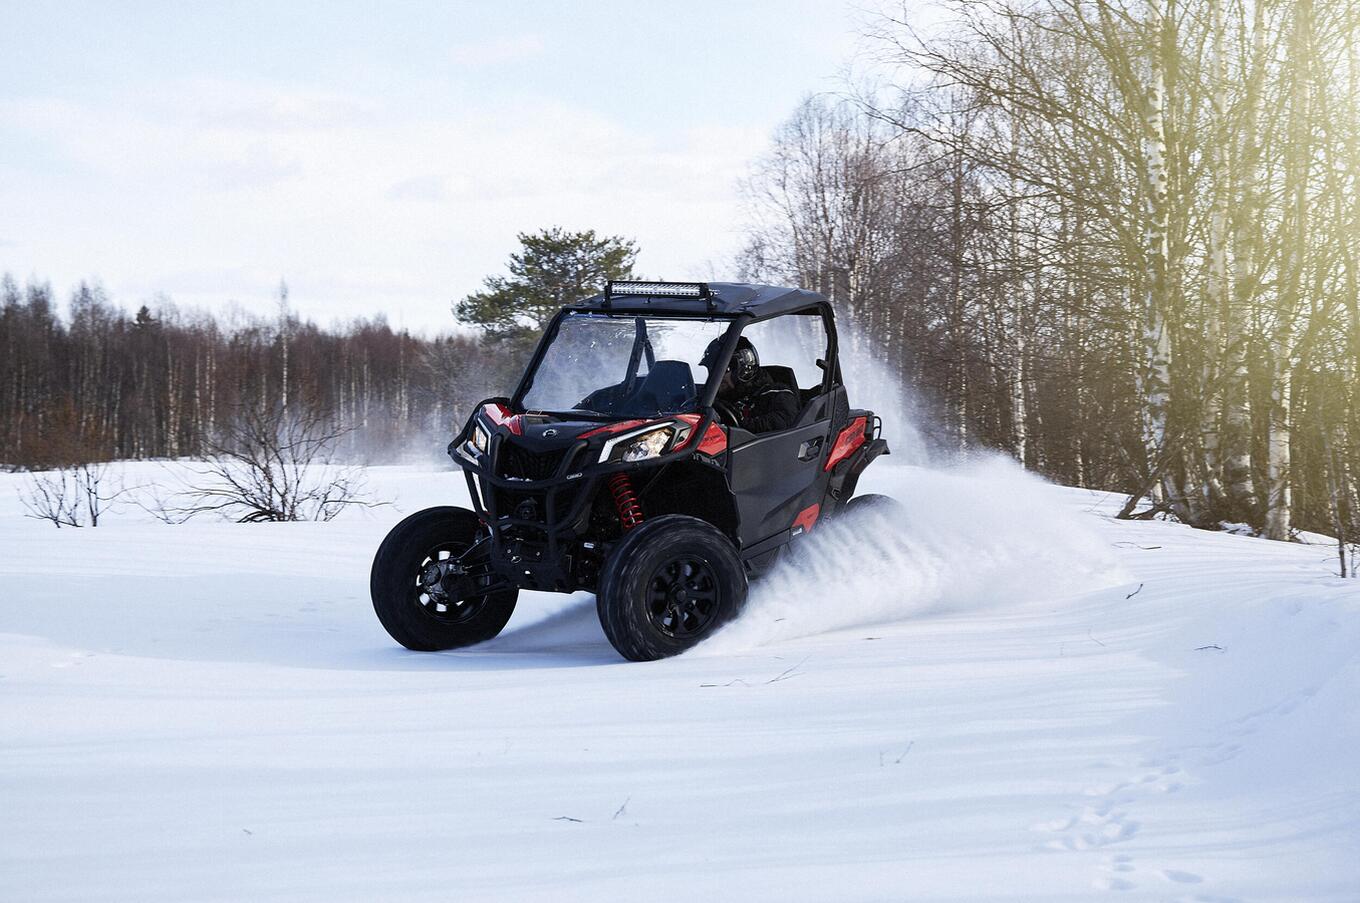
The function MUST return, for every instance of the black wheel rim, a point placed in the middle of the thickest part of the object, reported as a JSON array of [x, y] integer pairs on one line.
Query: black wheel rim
[[447, 586], [683, 597]]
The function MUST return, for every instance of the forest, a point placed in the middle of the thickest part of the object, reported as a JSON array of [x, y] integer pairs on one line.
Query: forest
[[1116, 241], [96, 384]]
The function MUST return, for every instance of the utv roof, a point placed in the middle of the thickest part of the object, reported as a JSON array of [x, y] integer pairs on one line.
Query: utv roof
[[717, 298]]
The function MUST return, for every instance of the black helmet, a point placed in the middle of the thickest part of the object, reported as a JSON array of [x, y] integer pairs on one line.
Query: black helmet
[[745, 364]]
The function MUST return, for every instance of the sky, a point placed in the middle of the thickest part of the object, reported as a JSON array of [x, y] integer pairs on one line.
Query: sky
[[382, 157]]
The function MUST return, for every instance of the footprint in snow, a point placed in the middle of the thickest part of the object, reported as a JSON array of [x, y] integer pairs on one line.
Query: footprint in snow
[[1113, 884], [1114, 831], [1121, 863]]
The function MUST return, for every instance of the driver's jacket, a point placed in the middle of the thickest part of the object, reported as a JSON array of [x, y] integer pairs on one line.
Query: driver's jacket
[[765, 406]]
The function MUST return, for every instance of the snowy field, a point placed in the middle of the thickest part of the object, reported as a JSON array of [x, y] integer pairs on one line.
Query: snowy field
[[1007, 696]]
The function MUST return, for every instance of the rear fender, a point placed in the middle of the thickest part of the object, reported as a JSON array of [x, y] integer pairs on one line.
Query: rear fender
[[862, 460], [846, 473]]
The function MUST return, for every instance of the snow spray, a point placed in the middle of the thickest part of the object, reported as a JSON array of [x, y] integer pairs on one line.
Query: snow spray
[[976, 533]]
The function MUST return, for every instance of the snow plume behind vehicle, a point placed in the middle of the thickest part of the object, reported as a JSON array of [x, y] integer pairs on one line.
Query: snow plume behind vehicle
[[876, 388], [971, 533], [979, 535]]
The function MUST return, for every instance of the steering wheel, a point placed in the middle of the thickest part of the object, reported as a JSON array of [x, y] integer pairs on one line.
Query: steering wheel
[[725, 413]]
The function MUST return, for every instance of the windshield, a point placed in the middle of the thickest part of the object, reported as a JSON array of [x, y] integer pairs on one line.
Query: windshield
[[623, 366]]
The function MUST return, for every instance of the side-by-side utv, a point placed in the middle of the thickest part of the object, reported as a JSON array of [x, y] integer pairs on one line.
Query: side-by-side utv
[[623, 465]]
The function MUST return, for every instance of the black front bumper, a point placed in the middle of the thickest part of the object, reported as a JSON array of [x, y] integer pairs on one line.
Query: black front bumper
[[536, 522]]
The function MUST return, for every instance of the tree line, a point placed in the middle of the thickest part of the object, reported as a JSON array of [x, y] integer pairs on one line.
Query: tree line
[[98, 384], [1116, 238], [94, 383]]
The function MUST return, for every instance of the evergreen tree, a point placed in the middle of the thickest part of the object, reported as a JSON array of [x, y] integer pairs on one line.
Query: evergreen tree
[[554, 267]]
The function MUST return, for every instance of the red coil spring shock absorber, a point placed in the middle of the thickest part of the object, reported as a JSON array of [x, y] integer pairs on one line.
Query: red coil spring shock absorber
[[625, 501]]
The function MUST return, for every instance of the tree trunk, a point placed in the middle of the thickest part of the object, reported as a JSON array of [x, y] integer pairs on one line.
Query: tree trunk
[[1156, 337], [1217, 300], [1279, 497], [1235, 442], [1298, 163], [957, 329]]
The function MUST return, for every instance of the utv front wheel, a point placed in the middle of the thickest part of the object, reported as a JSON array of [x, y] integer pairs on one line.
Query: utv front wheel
[[432, 586], [670, 583]]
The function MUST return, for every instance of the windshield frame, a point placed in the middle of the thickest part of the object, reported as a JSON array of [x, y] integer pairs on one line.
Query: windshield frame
[[710, 389]]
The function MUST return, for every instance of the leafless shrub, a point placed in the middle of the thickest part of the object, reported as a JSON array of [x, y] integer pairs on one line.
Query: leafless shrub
[[75, 496], [272, 464], [163, 502], [51, 495]]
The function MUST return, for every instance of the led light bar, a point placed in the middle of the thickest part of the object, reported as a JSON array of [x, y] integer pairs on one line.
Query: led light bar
[[699, 290], [664, 289]]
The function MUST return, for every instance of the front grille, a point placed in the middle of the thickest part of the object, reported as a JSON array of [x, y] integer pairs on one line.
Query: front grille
[[514, 461], [520, 463], [533, 506]]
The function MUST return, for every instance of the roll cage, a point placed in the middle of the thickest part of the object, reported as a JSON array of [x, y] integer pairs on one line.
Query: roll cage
[[618, 301]]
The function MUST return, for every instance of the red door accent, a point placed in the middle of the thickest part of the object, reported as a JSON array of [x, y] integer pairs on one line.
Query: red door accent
[[807, 518]]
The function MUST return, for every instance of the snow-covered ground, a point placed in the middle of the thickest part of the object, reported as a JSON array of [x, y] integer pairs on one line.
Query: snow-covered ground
[[1006, 696]]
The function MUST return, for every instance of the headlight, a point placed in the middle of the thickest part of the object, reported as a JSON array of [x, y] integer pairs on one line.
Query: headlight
[[639, 447], [649, 445], [480, 440]]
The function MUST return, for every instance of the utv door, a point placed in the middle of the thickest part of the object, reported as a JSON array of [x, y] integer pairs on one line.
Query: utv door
[[777, 478]]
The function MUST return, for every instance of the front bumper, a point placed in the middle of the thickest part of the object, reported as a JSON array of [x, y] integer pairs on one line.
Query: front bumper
[[546, 530]]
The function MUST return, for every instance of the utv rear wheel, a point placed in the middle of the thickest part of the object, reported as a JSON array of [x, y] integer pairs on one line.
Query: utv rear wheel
[[670, 583], [432, 589], [875, 504]]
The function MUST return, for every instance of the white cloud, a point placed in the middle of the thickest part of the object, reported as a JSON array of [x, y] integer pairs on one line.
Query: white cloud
[[211, 194]]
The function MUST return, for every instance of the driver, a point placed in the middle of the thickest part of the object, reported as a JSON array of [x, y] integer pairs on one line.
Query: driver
[[758, 403]]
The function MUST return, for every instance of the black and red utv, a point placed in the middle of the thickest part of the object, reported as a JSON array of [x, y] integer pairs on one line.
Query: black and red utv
[[623, 464]]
